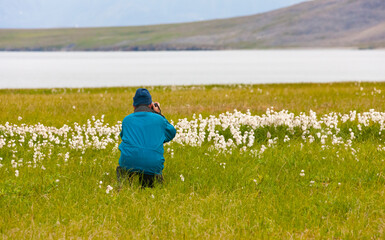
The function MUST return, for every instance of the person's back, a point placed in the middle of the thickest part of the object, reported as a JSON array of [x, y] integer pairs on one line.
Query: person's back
[[143, 134]]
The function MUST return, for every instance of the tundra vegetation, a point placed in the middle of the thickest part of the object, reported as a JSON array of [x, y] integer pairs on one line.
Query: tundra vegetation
[[249, 161]]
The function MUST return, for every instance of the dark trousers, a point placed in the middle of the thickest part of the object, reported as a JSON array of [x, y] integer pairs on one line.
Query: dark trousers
[[144, 179]]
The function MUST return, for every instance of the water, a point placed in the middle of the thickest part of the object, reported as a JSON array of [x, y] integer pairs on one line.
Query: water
[[108, 69]]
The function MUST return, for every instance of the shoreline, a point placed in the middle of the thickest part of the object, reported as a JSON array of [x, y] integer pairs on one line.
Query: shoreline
[[191, 86]]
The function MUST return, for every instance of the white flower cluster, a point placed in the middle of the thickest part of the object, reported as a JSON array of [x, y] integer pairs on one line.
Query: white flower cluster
[[249, 133], [237, 129], [95, 134], [109, 188]]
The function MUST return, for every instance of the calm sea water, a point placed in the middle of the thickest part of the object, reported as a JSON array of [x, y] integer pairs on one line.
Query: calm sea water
[[102, 69]]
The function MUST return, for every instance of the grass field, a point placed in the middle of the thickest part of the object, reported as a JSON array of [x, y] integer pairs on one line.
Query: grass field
[[283, 180]]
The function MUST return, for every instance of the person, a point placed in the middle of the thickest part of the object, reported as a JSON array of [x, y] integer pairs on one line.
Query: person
[[143, 134]]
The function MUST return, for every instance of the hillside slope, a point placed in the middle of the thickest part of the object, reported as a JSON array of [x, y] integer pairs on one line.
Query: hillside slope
[[319, 23], [102, 13]]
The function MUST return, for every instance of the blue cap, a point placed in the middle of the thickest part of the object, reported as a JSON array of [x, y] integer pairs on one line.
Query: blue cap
[[142, 97]]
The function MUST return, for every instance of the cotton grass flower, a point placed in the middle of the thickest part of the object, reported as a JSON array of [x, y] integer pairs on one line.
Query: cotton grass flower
[[255, 181], [108, 189]]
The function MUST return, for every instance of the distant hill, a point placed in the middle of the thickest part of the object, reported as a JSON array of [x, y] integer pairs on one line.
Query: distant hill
[[107, 13], [313, 24]]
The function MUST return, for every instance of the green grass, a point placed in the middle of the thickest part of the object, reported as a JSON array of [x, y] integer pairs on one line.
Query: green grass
[[251, 198], [55, 106]]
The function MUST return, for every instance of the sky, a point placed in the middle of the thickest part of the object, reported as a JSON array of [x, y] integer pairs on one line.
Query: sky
[[98, 13]]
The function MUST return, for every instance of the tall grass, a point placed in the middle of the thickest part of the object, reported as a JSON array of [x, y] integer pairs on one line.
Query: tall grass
[[339, 196]]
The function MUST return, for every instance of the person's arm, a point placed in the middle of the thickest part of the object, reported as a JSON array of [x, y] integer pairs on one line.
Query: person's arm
[[170, 132], [121, 131]]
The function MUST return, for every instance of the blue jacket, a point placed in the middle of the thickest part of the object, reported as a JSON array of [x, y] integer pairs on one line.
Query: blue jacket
[[143, 134]]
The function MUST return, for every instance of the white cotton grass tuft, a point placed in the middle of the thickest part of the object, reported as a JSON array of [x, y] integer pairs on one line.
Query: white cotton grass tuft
[[109, 188], [268, 135]]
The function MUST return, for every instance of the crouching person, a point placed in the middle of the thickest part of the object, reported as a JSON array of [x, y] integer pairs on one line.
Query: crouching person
[[143, 134]]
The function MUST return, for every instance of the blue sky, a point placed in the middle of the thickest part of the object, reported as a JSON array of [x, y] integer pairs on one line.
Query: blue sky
[[94, 13]]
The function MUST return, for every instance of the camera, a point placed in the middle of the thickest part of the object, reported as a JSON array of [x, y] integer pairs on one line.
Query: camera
[[156, 105]]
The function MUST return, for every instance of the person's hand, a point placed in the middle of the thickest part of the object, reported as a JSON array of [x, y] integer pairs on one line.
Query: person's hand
[[156, 107]]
